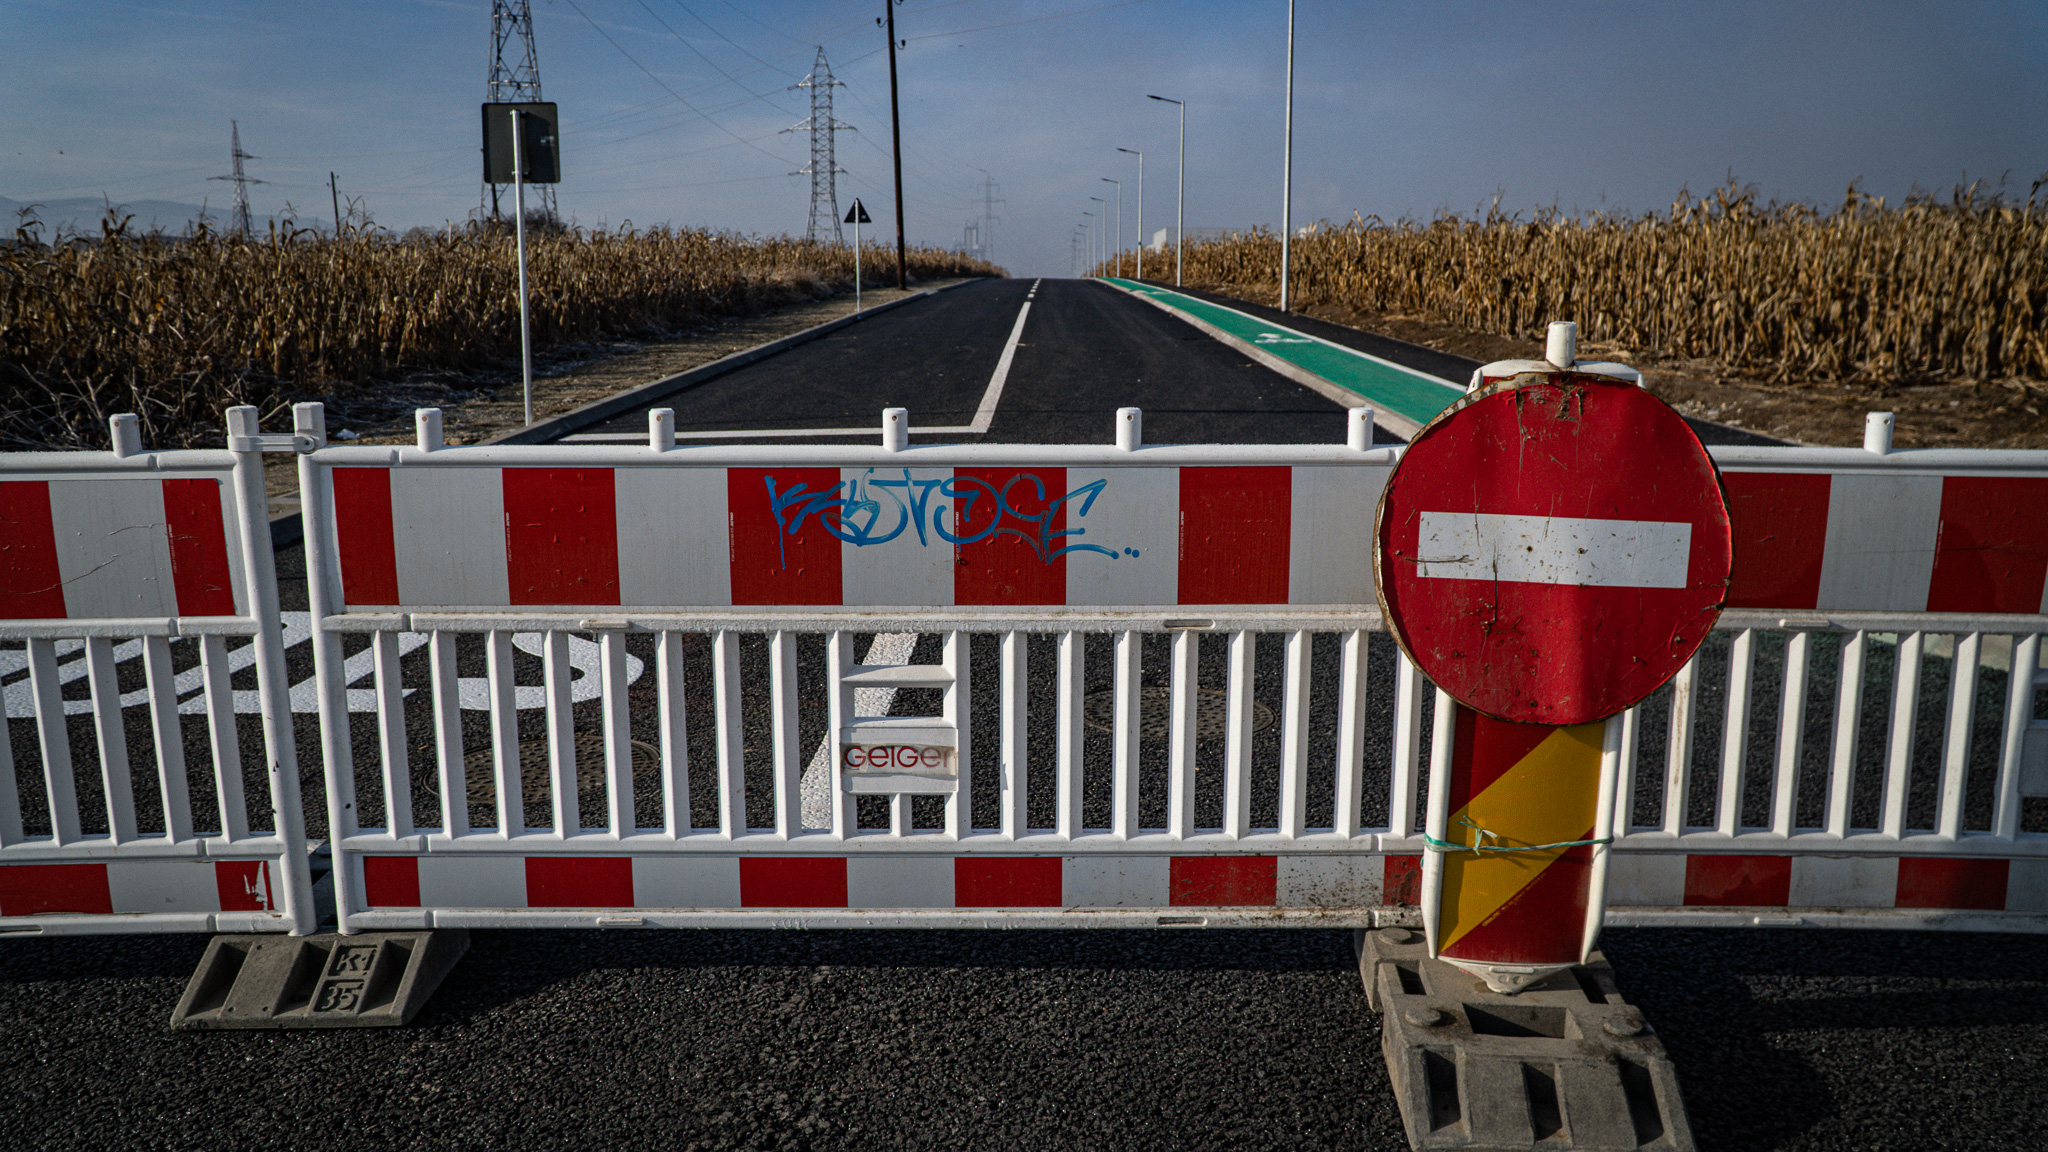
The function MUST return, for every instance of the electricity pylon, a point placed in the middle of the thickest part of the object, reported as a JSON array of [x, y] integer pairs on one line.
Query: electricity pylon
[[238, 222], [823, 168], [515, 81]]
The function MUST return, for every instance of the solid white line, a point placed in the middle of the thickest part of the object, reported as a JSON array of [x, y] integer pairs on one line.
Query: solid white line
[[984, 414]]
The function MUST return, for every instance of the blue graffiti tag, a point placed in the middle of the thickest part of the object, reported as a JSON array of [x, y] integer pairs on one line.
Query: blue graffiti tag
[[858, 517]]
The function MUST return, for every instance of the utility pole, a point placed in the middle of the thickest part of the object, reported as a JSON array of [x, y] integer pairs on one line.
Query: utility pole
[[334, 190], [823, 168], [896, 141], [1102, 233], [1287, 167], [1141, 208], [238, 223], [514, 80], [1180, 199]]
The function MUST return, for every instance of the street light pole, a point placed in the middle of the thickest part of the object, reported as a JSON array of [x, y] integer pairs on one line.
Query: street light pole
[[1180, 197], [1103, 232], [1141, 208], [1119, 223], [1287, 167], [1088, 230]]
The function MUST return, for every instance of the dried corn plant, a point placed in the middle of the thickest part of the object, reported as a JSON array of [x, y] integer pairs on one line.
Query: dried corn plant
[[176, 328], [1927, 290]]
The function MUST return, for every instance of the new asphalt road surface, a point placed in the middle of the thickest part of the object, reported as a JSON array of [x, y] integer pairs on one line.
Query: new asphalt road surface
[[1172, 1038]]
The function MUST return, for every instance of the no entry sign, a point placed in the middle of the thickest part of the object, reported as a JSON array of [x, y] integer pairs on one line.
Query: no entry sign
[[1553, 549]]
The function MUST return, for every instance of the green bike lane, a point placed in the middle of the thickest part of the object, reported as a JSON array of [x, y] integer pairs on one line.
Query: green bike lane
[[1403, 398]]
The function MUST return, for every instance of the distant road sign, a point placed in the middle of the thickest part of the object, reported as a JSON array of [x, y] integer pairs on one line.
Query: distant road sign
[[539, 142], [857, 214], [1553, 550]]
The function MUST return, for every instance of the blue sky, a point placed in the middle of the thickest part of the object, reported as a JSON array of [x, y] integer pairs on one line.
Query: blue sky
[[1401, 108]]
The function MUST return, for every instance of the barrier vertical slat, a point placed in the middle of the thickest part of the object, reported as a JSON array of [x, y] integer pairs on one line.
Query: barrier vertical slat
[[1350, 783], [1237, 760], [273, 690], [1294, 736], [10, 794], [168, 733], [556, 673], [732, 777], [1898, 772], [330, 679], [675, 734], [1406, 770], [1631, 723], [1848, 721], [784, 758], [1791, 734], [506, 772], [1016, 762], [838, 711], [219, 692], [620, 815], [1124, 760], [1962, 714], [2019, 716], [54, 741], [1735, 732], [112, 736], [451, 768], [1073, 658], [1180, 815], [391, 736], [958, 697], [1678, 747]]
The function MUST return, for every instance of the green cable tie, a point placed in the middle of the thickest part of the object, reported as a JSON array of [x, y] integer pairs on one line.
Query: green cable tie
[[1480, 842]]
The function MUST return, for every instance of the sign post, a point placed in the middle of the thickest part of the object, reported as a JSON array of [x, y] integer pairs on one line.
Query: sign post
[[519, 151], [856, 216], [1549, 552]]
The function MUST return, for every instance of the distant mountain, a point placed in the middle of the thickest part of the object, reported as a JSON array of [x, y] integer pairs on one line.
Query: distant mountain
[[82, 214]]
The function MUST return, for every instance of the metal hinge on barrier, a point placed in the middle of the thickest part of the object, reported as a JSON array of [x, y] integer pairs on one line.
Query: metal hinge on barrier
[[276, 442]]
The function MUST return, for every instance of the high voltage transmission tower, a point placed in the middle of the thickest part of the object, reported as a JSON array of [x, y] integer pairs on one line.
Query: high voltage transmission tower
[[989, 200], [239, 222], [823, 168], [515, 80]]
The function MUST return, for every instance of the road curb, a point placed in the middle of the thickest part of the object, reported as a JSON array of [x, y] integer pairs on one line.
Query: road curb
[[1392, 421]]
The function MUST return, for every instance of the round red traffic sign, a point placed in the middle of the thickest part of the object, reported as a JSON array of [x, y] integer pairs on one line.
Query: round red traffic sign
[[1553, 549]]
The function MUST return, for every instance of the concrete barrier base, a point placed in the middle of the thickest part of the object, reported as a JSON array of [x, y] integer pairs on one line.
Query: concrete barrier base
[[368, 980]]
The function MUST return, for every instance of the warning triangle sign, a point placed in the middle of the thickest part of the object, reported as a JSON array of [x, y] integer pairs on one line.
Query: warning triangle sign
[[857, 214]]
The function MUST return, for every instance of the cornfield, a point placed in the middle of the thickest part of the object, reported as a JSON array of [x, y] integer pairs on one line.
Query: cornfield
[[176, 328], [1927, 290]]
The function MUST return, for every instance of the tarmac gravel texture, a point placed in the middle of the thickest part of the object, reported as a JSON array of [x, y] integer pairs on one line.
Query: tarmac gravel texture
[[994, 1040]]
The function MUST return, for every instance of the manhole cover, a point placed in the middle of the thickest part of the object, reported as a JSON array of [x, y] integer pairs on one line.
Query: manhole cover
[[1155, 713], [533, 770]]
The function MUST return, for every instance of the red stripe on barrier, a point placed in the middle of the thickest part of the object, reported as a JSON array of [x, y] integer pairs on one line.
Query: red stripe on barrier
[[199, 548], [1992, 551], [244, 885], [579, 881], [37, 889], [1234, 533], [1401, 882], [1744, 881], [792, 881], [391, 881], [561, 536], [31, 586], [1947, 882], [770, 563], [1006, 882], [362, 531], [1018, 515], [1223, 881], [1779, 521], [1542, 922]]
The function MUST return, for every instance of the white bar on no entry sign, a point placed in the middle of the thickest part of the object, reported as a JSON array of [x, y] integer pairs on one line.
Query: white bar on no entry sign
[[1553, 550]]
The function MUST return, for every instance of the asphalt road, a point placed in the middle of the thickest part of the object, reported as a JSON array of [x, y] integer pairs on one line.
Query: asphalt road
[[1783, 1039]]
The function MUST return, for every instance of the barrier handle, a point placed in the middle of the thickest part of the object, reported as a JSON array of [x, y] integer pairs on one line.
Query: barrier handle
[[281, 754]]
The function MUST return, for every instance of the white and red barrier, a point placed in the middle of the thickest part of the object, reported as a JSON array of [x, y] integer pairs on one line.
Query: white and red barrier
[[120, 543]]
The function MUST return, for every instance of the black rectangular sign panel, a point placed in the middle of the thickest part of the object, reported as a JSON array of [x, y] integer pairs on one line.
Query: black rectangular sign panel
[[539, 145]]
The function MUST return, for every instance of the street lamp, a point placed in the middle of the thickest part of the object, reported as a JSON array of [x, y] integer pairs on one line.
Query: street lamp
[[1089, 229], [1287, 165], [1141, 208], [1103, 232], [1180, 198], [1119, 223]]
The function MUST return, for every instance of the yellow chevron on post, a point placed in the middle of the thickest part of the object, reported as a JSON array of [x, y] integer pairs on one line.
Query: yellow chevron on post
[[1550, 796]]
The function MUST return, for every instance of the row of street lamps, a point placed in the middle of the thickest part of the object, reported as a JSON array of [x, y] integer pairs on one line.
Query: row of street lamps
[[1181, 192]]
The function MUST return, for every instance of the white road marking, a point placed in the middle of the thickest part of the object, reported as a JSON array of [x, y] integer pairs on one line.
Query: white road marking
[[1553, 550], [984, 413], [816, 786]]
